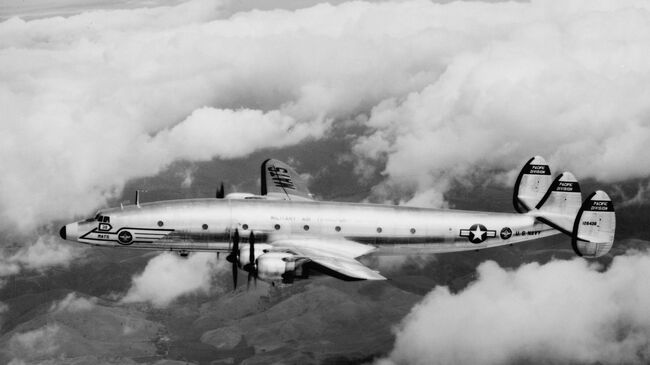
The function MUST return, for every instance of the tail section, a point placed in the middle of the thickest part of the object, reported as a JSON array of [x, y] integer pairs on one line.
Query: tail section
[[558, 203], [532, 183], [594, 226]]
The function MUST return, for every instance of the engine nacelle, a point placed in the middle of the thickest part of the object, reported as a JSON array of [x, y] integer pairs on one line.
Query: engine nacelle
[[244, 253], [273, 265]]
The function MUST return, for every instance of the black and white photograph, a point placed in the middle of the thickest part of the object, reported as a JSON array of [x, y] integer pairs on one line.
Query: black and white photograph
[[368, 182]]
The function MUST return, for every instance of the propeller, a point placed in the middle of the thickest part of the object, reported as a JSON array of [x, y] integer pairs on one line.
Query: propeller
[[233, 257], [220, 192], [252, 269]]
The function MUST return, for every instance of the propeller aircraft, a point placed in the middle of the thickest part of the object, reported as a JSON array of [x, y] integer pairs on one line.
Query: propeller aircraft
[[283, 234]]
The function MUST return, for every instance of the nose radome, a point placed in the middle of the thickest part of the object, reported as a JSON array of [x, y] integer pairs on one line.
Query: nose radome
[[70, 232]]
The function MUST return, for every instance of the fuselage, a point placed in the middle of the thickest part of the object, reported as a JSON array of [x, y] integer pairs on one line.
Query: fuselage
[[208, 225]]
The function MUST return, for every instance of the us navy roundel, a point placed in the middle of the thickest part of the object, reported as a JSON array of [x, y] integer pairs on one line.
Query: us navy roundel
[[125, 237], [506, 233], [477, 233]]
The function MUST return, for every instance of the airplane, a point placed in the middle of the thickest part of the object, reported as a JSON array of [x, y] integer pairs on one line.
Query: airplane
[[283, 234]]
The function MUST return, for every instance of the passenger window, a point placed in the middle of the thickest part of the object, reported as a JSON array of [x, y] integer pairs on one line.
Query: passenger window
[[107, 219]]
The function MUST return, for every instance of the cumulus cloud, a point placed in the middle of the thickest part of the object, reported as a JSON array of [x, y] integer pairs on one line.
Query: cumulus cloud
[[451, 91], [560, 312], [98, 98], [168, 276], [562, 79], [47, 251], [73, 303]]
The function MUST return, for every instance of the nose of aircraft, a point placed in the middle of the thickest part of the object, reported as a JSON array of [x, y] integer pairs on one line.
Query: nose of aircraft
[[69, 231]]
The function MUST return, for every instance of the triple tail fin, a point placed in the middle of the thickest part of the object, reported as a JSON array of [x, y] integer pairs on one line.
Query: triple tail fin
[[532, 183], [595, 226], [591, 224]]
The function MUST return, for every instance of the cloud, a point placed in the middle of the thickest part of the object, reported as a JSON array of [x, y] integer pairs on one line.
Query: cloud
[[35, 343], [73, 303], [3, 308], [93, 100], [641, 195], [168, 277], [46, 252], [188, 176], [560, 312], [564, 80], [388, 264], [447, 91]]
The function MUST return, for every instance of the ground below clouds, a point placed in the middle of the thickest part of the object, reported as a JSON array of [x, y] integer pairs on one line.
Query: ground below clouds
[[318, 321]]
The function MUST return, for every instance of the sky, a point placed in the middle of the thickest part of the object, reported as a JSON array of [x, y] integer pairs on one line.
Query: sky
[[95, 99], [430, 95]]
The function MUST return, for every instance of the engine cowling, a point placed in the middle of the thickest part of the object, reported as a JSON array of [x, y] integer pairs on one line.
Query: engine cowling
[[273, 266], [244, 253]]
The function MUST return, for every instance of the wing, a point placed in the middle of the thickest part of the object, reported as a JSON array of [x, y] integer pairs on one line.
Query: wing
[[280, 181], [336, 257]]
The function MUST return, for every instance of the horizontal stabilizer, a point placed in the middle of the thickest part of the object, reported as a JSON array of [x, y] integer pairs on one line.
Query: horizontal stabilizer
[[559, 206]]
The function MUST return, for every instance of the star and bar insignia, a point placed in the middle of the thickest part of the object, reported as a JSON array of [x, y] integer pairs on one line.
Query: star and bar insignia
[[477, 233]]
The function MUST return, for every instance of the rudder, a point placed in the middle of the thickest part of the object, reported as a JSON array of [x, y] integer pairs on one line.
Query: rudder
[[595, 226], [532, 183]]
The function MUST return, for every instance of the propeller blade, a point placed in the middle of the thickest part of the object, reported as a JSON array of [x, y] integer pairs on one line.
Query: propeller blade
[[234, 257], [251, 242], [220, 191], [235, 242], [251, 260], [234, 276]]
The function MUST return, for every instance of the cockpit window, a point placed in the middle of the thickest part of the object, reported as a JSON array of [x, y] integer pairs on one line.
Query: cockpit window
[[100, 218], [97, 217]]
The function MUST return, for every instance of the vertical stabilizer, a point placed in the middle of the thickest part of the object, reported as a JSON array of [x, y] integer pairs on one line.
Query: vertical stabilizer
[[280, 181], [532, 183], [595, 226]]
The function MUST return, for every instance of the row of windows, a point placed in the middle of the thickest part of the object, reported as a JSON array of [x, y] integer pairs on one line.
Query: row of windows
[[277, 227], [337, 228], [204, 226]]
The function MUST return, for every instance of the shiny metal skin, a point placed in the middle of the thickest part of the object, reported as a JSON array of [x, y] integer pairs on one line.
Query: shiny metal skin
[[282, 233], [207, 225]]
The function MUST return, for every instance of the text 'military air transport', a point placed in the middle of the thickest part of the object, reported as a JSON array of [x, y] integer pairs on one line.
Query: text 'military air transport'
[[283, 234]]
